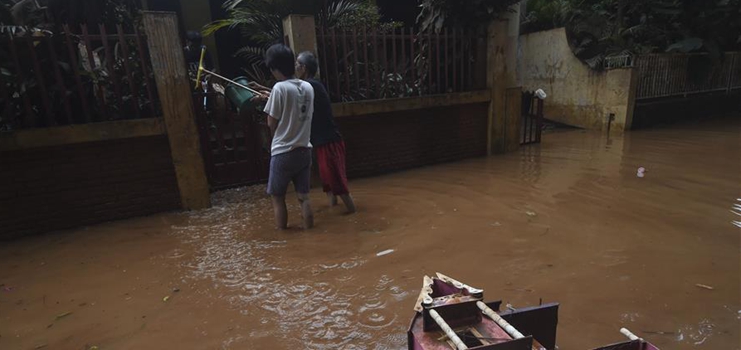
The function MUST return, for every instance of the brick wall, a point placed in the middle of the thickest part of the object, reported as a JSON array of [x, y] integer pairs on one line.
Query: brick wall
[[51, 188], [381, 143]]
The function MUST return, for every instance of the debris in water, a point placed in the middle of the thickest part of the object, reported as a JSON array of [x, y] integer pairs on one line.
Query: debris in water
[[175, 290], [93, 348], [166, 298], [531, 213], [704, 286], [385, 252], [641, 172], [496, 224], [40, 346], [64, 315]]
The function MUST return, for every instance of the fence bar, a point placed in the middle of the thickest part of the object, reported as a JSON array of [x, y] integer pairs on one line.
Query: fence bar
[[324, 71], [437, 62], [393, 50], [75, 69], [447, 61], [109, 63], [233, 121], [368, 82], [403, 67], [355, 72], [60, 81], [377, 75], [385, 60], [429, 62], [132, 84], [471, 47], [91, 61], [48, 111], [145, 70], [463, 61], [455, 61], [411, 56], [345, 62], [21, 81], [334, 59], [730, 72]]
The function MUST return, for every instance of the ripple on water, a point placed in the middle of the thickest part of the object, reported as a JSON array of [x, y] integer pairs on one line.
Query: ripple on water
[[337, 314]]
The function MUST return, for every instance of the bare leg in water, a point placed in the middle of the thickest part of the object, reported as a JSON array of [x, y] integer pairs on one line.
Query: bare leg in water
[[332, 199], [306, 212], [281, 212], [349, 203]]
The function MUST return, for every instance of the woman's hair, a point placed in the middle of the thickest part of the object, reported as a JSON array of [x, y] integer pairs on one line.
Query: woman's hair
[[308, 60], [280, 57]]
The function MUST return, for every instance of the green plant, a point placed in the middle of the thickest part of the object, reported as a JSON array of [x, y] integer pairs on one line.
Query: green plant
[[435, 14], [261, 23], [602, 28]]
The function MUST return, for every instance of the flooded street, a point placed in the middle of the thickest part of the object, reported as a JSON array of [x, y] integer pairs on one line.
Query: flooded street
[[566, 221]]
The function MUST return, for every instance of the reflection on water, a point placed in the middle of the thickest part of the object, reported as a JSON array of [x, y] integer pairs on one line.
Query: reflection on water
[[565, 221]]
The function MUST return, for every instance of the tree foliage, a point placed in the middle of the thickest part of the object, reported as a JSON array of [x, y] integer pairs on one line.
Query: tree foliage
[[261, 23], [601, 28], [434, 14]]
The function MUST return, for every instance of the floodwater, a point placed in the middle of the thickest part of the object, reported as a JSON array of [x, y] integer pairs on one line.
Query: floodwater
[[566, 221]]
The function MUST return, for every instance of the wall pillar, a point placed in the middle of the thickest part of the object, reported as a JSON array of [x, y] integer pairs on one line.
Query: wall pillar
[[300, 33], [501, 60], [173, 86]]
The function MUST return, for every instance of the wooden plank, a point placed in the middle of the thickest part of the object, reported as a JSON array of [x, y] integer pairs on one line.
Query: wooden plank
[[173, 85], [73, 134], [409, 103]]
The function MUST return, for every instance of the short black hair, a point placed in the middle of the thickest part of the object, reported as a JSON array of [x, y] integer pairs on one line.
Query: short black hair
[[308, 60], [194, 37], [280, 57]]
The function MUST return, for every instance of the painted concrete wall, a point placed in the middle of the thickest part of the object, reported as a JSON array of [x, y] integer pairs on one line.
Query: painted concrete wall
[[577, 95]]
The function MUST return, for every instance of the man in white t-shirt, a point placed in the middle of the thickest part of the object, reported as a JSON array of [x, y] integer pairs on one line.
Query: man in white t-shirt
[[289, 108]]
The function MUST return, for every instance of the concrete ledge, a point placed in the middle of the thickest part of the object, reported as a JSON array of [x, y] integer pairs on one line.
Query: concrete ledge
[[347, 109], [71, 134]]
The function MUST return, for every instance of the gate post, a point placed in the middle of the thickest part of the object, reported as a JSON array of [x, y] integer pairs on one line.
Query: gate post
[[300, 32], [173, 87], [501, 73]]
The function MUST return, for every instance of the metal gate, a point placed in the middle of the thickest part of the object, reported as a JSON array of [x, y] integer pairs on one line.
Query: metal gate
[[234, 145], [532, 118]]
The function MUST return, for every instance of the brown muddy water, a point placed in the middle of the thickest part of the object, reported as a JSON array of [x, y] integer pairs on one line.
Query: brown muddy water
[[564, 221]]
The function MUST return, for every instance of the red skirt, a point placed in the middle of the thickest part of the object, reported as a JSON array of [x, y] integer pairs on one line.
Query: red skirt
[[331, 160]]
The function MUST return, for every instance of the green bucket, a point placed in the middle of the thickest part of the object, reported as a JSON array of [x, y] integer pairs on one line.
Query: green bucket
[[241, 97]]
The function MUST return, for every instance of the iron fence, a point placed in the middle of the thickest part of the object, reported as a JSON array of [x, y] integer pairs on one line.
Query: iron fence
[[665, 75], [75, 77], [362, 64]]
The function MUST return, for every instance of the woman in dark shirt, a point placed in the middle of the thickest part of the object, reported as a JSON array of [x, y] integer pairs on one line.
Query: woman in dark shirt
[[325, 137]]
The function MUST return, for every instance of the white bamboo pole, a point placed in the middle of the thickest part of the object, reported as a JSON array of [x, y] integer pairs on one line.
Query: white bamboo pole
[[448, 331], [231, 81], [511, 330], [629, 334]]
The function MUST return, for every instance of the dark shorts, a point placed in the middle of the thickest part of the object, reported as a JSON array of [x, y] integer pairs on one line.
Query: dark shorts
[[331, 160], [293, 166]]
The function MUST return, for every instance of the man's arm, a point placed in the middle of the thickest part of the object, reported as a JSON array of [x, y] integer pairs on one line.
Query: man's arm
[[272, 124]]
